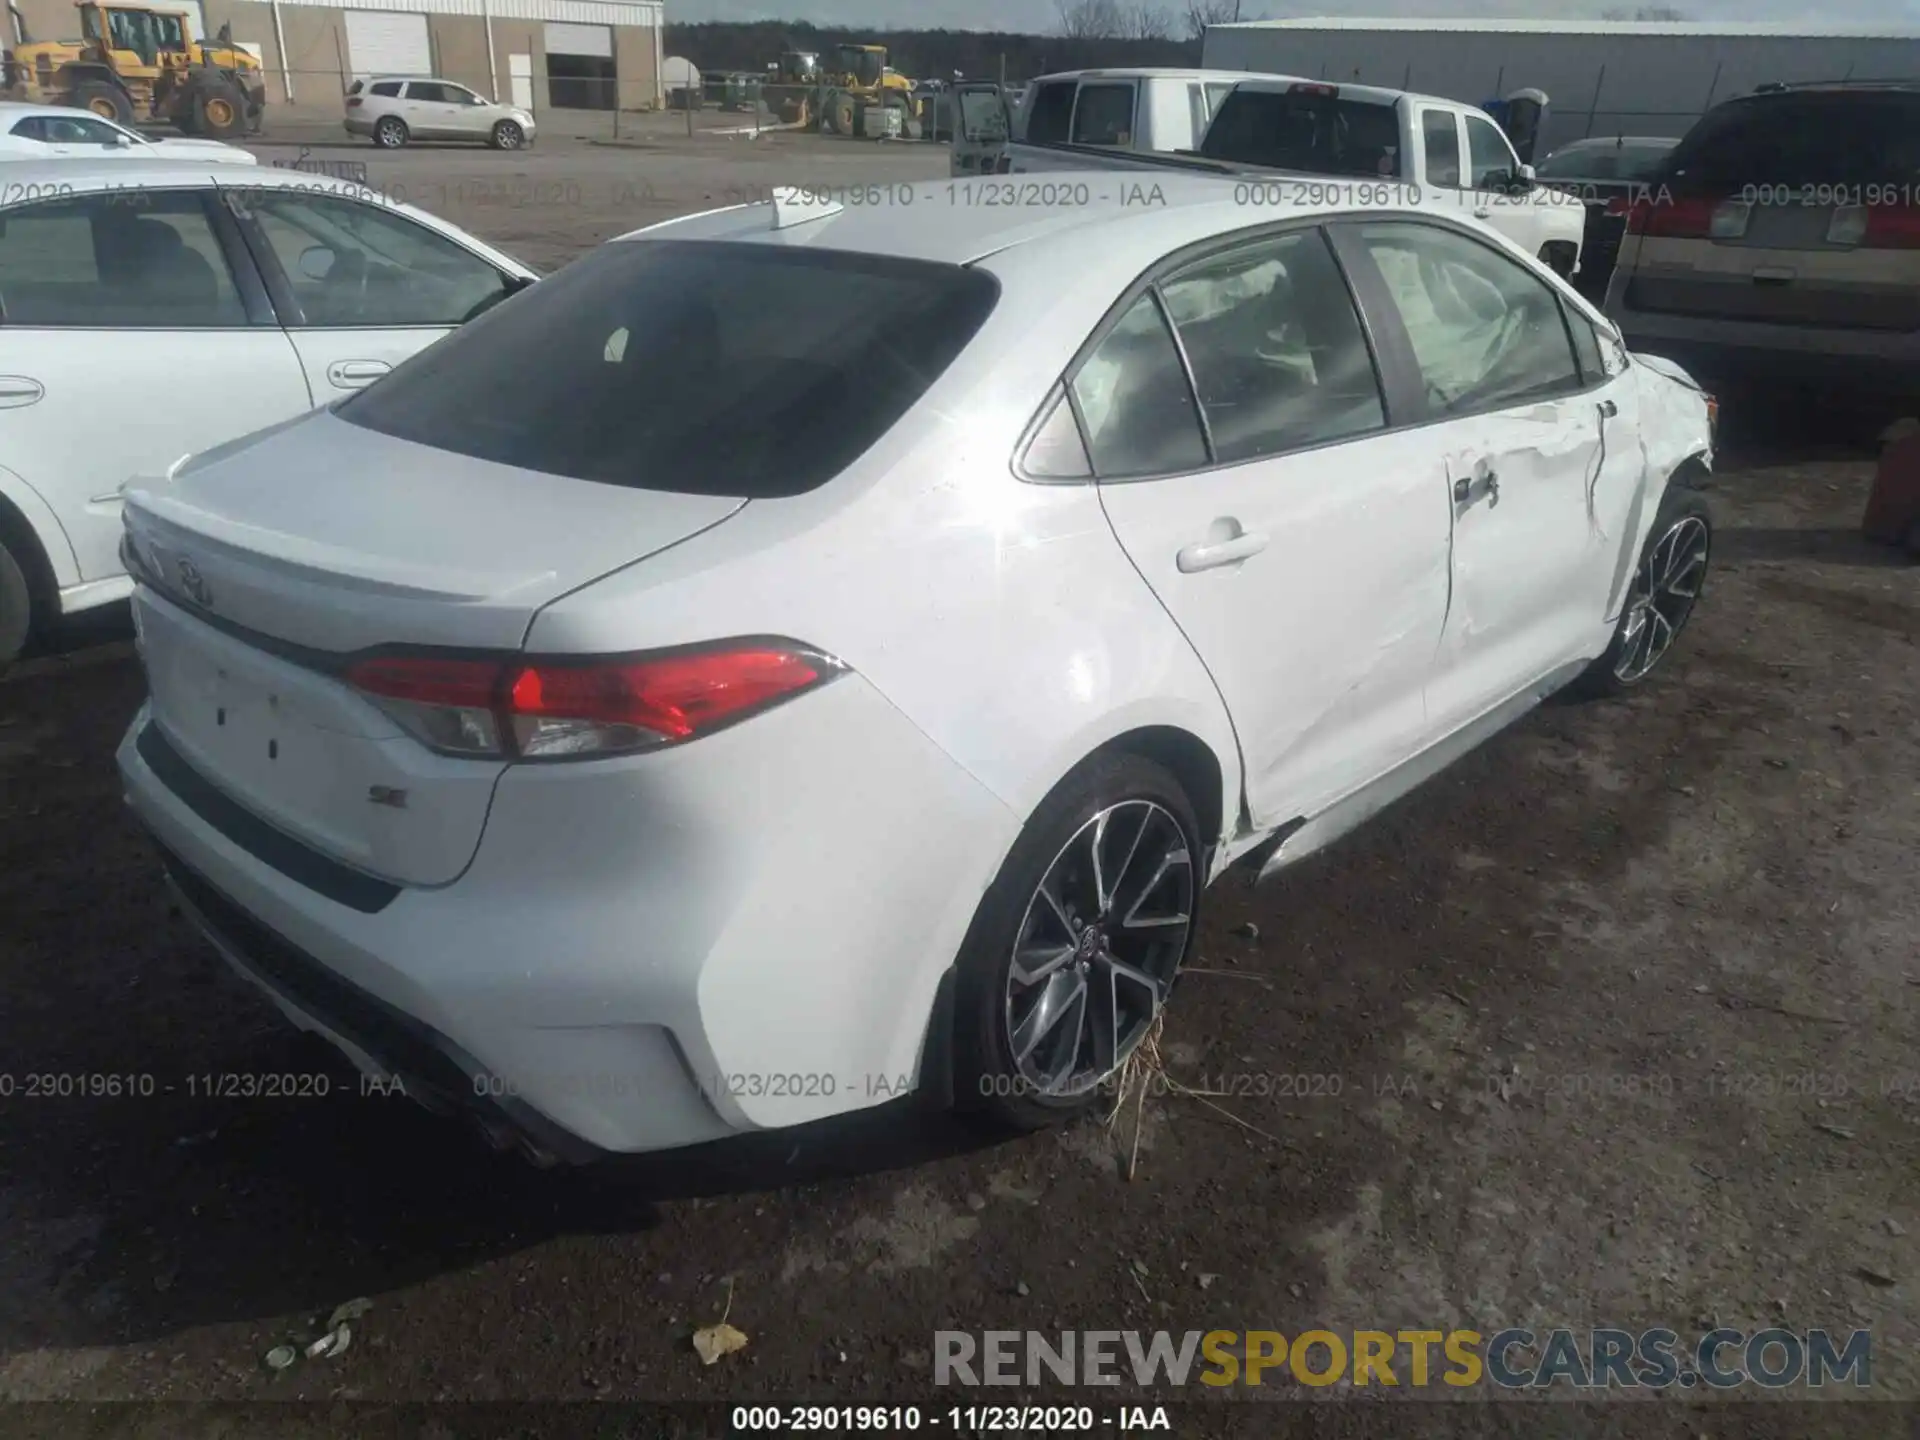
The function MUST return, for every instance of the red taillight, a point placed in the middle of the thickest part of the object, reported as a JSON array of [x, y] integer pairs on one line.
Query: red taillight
[[352, 101], [562, 708], [1674, 219], [676, 697], [1892, 227], [420, 680]]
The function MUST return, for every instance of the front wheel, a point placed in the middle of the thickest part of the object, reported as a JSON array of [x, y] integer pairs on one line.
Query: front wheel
[[1075, 947], [1667, 584], [508, 136], [219, 111]]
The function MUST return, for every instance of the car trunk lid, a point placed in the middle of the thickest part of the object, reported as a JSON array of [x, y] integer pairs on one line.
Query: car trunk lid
[[265, 566]]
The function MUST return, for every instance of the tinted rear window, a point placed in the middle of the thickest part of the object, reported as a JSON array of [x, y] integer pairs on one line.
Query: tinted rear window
[[389, 88], [709, 368], [1319, 134], [1050, 112], [1801, 140], [1604, 162]]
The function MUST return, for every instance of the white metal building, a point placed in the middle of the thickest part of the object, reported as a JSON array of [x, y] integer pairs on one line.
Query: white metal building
[[1602, 77]]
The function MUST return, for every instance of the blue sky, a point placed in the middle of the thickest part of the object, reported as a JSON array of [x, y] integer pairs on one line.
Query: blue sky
[[1038, 15]]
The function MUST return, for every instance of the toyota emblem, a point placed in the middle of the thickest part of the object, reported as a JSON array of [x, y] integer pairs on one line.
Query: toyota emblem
[[194, 583]]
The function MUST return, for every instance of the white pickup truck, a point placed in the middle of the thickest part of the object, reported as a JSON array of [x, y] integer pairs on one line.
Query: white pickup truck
[[1280, 130], [1162, 110]]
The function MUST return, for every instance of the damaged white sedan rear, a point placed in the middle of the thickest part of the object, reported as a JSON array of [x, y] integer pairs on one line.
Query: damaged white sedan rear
[[798, 656]]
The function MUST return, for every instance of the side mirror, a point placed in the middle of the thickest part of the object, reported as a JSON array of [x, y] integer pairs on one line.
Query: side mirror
[[1524, 178], [316, 262]]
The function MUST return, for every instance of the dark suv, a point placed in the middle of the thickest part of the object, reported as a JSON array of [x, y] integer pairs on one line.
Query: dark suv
[[1781, 241]]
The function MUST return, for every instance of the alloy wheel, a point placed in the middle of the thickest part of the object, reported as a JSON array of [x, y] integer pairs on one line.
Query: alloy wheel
[[1097, 950], [1664, 591]]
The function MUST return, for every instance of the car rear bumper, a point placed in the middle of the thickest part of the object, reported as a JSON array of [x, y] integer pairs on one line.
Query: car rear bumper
[[1730, 350], [747, 933], [356, 126]]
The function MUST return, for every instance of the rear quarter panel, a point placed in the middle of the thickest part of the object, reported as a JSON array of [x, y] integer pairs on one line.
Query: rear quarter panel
[[1001, 616]]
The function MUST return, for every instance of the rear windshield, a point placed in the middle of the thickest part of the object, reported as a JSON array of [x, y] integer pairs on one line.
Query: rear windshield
[[706, 368], [1318, 134], [1801, 140]]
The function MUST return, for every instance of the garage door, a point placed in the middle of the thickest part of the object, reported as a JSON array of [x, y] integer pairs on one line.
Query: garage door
[[387, 42], [590, 40]]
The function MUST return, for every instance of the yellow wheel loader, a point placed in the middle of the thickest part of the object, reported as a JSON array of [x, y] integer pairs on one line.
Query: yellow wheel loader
[[828, 94], [135, 65]]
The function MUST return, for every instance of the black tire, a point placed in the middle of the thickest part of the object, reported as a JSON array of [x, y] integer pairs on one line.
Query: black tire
[[843, 114], [219, 109], [16, 606], [391, 132], [107, 101], [508, 135], [185, 122], [1143, 799], [1682, 520]]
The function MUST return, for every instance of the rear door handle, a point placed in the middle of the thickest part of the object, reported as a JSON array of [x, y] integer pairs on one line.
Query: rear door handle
[[1485, 487], [1212, 556], [18, 390], [352, 374]]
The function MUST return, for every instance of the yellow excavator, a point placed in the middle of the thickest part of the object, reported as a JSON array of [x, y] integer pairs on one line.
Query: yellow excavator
[[134, 64], [828, 94]]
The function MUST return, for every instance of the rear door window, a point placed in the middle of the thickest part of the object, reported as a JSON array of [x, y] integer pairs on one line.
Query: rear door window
[[388, 88], [121, 260], [1103, 115], [1811, 141], [1135, 401], [707, 368], [1276, 348]]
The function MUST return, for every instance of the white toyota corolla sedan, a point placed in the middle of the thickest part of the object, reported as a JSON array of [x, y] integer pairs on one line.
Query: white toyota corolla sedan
[[810, 652]]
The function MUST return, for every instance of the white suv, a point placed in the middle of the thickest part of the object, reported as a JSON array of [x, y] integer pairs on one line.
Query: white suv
[[393, 109]]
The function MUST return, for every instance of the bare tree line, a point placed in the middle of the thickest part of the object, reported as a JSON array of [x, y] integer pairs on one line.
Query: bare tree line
[[1141, 19]]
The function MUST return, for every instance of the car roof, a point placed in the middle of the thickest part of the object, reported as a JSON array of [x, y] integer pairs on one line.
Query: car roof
[[1148, 72], [27, 107], [52, 179], [955, 222]]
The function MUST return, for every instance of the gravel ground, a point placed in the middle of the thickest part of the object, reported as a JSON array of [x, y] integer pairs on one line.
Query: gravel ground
[[1612, 1024]]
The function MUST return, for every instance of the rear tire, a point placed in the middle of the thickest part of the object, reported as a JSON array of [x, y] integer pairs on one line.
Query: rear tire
[[390, 133], [16, 606], [1041, 1043], [1668, 580], [508, 136], [841, 112], [104, 100]]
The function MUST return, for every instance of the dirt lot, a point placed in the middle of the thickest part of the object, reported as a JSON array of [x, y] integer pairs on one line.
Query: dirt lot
[[1613, 1024]]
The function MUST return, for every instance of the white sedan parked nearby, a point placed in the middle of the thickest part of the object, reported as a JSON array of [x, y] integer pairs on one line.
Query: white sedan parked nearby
[[53, 132], [798, 655], [191, 305]]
